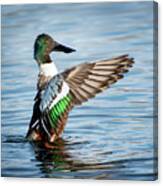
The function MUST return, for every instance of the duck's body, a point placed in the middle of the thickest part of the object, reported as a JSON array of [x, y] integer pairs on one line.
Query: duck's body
[[58, 93]]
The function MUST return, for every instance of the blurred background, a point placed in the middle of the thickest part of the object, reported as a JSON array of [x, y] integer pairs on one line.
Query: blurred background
[[111, 136]]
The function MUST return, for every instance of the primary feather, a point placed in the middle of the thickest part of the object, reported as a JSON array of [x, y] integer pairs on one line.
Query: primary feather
[[88, 79]]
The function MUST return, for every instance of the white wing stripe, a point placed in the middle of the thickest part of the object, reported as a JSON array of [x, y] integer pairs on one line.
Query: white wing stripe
[[62, 94], [34, 124], [45, 129]]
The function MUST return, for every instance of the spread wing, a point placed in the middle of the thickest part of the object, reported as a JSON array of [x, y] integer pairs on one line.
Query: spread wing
[[88, 79]]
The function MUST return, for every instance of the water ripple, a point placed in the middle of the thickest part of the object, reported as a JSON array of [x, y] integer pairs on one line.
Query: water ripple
[[109, 137]]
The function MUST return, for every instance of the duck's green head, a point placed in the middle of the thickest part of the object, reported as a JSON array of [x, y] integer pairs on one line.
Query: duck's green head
[[44, 45]]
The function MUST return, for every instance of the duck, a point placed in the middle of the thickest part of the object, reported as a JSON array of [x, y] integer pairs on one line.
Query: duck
[[59, 92]]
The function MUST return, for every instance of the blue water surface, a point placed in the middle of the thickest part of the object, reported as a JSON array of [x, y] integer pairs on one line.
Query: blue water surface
[[112, 135]]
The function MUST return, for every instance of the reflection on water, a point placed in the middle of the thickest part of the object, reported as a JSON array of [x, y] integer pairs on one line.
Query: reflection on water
[[59, 160], [111, 141]]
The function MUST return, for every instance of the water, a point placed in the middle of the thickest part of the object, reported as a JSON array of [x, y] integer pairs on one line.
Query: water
[[109, 137]]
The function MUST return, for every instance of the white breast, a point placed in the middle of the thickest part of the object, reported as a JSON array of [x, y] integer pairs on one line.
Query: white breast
[[48, 69]]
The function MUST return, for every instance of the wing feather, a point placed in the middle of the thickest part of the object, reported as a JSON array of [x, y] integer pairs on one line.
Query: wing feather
[[50, 110], [88, 79]]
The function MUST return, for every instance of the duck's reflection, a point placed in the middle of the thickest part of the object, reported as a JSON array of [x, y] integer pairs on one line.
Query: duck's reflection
[[56, 159], [58, 162]]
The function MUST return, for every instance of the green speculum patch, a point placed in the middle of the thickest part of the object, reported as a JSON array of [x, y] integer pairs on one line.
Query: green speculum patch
[[58, 109]]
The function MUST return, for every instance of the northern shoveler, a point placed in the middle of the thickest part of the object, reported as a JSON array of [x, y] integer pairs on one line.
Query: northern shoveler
[[58, 92]]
